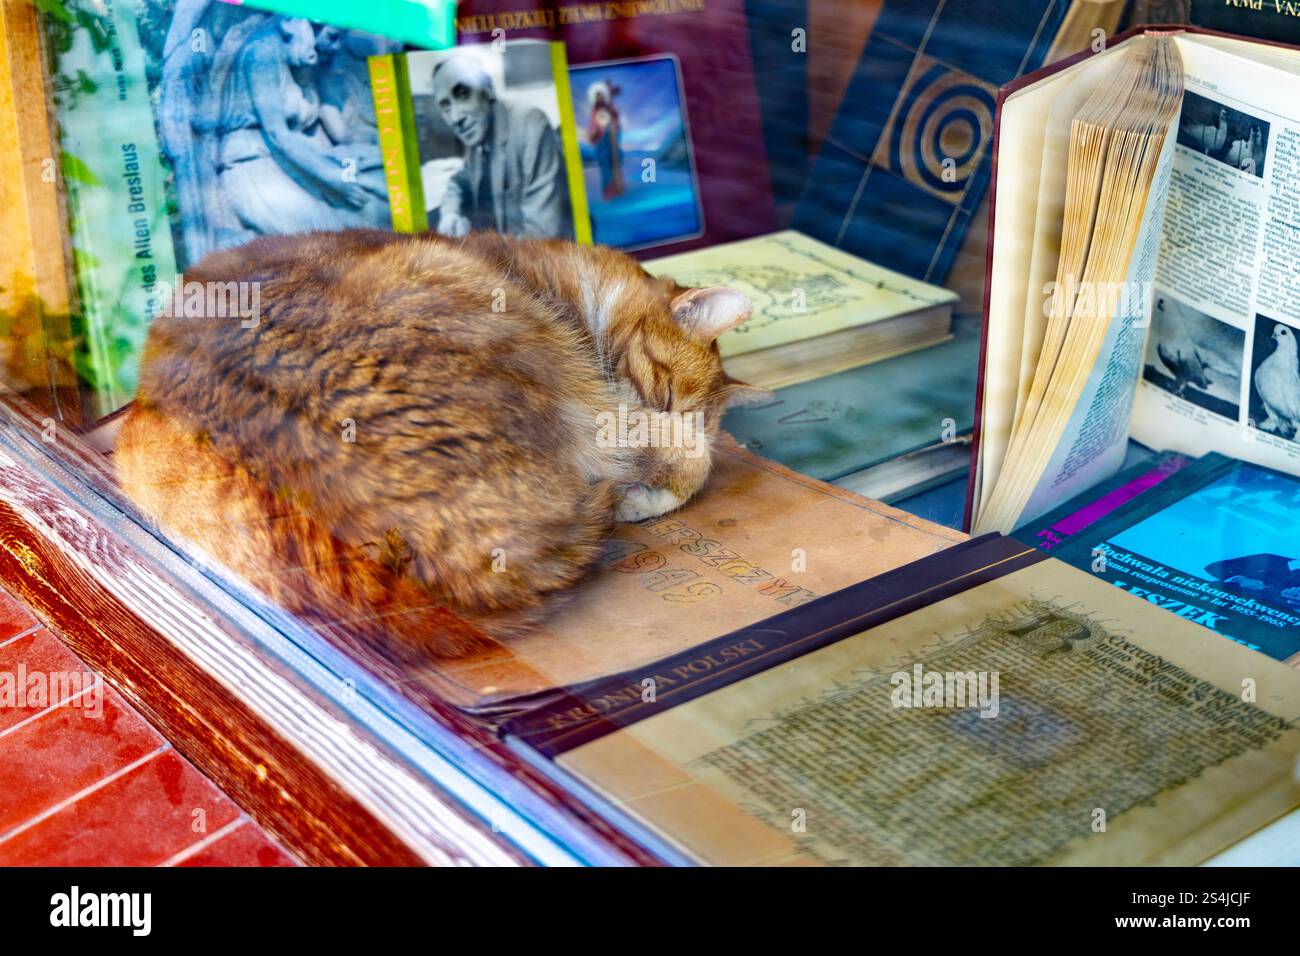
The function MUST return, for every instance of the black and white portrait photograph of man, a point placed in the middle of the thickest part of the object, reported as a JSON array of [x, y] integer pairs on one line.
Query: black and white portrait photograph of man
[[488, 127]]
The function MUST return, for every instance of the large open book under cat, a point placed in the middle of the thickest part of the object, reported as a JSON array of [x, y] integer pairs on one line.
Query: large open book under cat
[[757, 540], [1141, 269]]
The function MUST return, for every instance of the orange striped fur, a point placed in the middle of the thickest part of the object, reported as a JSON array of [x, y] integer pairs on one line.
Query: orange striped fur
[[410, 427]]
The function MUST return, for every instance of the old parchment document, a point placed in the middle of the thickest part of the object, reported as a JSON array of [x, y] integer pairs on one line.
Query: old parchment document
[[1121, 735]]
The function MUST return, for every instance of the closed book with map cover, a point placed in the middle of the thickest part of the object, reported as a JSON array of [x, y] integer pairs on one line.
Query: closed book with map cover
[[985, 706], [667, 111], [905, 166], [817, 309]]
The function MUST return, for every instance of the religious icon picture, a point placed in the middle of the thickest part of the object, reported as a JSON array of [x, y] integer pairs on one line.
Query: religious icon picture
[[637, 162]]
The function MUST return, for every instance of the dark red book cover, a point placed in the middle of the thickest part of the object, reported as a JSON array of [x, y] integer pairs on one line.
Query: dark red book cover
[[684, 96]]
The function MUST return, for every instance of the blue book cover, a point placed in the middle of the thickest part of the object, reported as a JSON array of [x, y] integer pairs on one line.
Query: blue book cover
[[778, 44], [1217, 544], [907, 160], [839, 424]]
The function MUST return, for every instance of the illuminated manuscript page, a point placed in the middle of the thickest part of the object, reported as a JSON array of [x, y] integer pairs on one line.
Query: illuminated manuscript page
[[1120, 737]]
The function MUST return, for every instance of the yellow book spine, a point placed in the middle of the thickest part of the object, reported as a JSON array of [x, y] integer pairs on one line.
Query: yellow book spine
[[569, 138], [397, 143]]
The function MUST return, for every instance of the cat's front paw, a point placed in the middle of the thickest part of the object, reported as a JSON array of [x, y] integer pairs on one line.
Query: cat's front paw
[[639, 502]]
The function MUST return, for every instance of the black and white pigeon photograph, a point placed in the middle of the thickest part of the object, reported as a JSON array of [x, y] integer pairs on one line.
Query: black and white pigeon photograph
[[1275, 379], [1195, 356], [1225, 134]]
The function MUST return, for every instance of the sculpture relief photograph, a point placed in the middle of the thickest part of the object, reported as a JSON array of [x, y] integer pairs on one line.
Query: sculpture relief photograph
[[267, 122]]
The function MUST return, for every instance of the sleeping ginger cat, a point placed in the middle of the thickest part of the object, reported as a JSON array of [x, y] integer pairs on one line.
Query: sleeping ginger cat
[[411, 423]]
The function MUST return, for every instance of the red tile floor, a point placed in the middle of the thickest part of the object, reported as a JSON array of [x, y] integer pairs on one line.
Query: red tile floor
[[86, 781]]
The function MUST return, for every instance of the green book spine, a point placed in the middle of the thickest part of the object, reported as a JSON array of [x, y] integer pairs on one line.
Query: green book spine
[[397, 142], [116, 189], [424, 23]]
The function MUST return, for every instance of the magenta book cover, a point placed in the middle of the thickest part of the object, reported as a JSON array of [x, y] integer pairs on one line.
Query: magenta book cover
[[666, 106], [1052, 531]]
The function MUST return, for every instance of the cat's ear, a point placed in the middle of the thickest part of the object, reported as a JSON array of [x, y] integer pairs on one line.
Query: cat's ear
[[741, 395], [738, 394], [707, 313]]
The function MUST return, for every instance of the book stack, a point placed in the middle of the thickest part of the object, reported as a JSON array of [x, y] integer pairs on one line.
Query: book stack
[[833, 335], [817, 311]]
